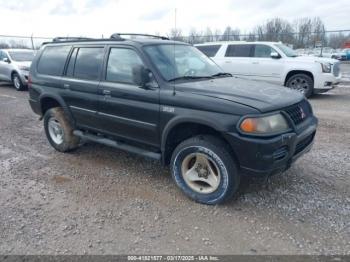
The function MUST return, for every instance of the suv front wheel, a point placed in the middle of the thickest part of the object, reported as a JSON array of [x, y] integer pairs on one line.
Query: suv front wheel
[[17, 82], [205, 170], [59, 131], [302, 83]]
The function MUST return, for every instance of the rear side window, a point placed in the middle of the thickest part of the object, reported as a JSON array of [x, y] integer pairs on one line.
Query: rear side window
[[262, 51], [53, 59], [239, 51], [88, 63], [209, 50]]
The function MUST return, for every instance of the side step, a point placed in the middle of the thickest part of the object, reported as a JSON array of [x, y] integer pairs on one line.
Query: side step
[[119, 145]]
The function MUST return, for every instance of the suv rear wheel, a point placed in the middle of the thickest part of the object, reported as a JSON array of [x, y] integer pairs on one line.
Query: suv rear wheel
[[302, 83], [17, 82], [59, 131], [205, 170]]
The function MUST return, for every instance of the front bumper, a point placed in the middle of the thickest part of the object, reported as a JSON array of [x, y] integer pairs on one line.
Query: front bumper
[[263, 157], [24, 76], [325, 82]]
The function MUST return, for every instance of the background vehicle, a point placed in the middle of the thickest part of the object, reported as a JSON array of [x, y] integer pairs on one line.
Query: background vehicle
[[276, 63], [168, 101], [14, 66]]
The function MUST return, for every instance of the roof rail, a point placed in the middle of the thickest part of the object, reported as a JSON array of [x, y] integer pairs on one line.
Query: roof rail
[[118, 36], [68, 38]]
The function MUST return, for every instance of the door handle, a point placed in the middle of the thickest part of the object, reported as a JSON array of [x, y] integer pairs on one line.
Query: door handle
[[228, 62], [106, 92], [66, 86], [255, 63]]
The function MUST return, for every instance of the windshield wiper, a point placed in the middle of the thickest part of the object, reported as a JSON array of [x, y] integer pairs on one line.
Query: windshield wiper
[[189, 78], [222, 74]]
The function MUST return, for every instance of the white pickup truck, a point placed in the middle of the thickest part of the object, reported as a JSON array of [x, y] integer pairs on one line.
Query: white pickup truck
[[275, 62]]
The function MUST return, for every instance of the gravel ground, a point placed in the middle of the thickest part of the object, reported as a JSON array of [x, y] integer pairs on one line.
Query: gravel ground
[[100, 200]]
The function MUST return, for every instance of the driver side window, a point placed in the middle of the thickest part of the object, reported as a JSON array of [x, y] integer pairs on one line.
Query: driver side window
[[263, 51], [121, 62]]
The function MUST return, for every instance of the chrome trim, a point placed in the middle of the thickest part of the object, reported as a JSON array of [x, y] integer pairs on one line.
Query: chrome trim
[[83, 109], [127, 119]]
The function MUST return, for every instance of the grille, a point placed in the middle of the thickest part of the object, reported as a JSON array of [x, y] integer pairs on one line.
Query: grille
[[336, 69], [304, 143], [299, 112]]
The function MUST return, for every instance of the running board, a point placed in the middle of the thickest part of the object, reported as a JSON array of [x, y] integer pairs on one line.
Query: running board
[[119, 145]]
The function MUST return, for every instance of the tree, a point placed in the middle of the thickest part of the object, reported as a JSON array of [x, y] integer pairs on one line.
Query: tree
[[176, 34]]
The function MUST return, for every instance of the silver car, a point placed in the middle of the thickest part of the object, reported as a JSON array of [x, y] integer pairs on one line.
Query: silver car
[[14, 66]]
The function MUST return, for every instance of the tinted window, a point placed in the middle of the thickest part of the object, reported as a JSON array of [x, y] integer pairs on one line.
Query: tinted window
[[53, 59], [262, 51], [88, 63], [238, 51], [209, 50], [120, 64], [71, 64]]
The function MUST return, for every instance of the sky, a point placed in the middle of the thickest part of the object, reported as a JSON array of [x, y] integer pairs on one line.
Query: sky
[[95, 18]]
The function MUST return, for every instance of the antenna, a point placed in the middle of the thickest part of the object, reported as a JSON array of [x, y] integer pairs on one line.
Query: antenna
[[174, 89]]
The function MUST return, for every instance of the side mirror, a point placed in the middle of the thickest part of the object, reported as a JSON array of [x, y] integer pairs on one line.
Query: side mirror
[[140, 75], [6, 60], [275, 55]]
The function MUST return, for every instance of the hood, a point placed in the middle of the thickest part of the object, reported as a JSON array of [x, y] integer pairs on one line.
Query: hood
[[262, 96], [313, 59], [23, 63]]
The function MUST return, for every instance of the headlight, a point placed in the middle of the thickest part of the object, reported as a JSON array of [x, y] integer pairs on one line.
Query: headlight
[[24, 68], [326, 67], [264, 125]]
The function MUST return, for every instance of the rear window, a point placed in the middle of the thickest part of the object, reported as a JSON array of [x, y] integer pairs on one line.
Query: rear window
[[53, 59], [209, 50], [238, 51], [88, 63]]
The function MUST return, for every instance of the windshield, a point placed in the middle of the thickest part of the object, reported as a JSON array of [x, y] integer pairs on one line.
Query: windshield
[[181, 61], [21, 56], [287, 50]]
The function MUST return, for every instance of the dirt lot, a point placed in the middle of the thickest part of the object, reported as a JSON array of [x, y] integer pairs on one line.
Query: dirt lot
[[99, 200]]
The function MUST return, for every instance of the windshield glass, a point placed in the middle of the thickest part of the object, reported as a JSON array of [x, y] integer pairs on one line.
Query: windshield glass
[[287, 50], [21, 56], [181, 61]]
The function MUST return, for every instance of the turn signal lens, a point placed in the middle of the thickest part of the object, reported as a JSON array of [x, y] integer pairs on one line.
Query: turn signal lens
[[248, 125], [264, 125]]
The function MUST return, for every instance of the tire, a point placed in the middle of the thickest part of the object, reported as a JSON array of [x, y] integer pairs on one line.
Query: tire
[[302, 83], [59, 131], [17, 82], [196, 184]]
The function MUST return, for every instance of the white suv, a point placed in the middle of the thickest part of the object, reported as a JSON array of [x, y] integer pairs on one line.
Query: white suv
[[275, 62]]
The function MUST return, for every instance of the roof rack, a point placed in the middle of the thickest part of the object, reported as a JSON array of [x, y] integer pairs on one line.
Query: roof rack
[[118, 36], [68, 38]]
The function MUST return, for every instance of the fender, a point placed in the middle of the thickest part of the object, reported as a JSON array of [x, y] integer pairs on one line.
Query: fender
[[297, 69], [62, 104], [182, 120]]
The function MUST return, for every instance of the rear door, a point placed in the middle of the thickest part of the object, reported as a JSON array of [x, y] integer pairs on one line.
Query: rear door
[[80, 83], [237, 60], [125, 109]]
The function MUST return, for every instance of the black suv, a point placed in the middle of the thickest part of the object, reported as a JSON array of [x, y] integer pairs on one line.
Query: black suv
[[168, 101]]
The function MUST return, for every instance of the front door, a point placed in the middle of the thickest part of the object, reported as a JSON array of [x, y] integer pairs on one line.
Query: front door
[[266, 68], [125, 109]]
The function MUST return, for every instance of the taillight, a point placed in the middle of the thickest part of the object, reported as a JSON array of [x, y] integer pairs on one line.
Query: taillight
[[29, 81]]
